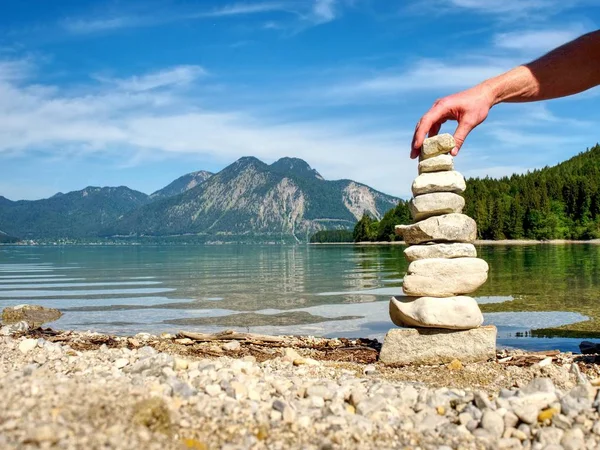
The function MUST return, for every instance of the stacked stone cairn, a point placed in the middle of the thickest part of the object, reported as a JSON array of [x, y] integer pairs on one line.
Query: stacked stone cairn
[[445, 324]]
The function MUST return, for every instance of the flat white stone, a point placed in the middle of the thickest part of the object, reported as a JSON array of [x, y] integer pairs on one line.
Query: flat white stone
[[449, 181], [437, 145], [419, 346], [458, 313], [439, 277], [446, 228], [436, 204], [27, 345], [458, 250], [436, 164]]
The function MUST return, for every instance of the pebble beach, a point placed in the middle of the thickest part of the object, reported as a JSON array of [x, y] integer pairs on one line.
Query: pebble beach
[[73, 390]]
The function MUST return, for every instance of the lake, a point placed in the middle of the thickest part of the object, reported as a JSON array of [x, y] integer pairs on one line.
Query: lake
[[323, 290]]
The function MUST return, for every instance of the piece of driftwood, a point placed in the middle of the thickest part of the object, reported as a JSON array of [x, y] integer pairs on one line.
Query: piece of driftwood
[[230, 335], [353, 349]]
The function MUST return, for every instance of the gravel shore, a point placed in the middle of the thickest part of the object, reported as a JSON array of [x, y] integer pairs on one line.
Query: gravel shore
[[85, 390]]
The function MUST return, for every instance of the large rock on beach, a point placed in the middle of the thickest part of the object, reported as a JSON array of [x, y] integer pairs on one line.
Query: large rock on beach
[[440, 277], [437, 145], [403, 346], [34, 315], [427, 251], [436, 204], [447, 228], [450, 181], [458, 313], [436, 164]]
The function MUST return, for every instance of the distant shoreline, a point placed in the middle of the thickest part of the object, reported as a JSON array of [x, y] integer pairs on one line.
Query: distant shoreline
[[479, 242]]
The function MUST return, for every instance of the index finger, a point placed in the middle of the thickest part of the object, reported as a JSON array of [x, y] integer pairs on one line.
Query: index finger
[[432, 116]]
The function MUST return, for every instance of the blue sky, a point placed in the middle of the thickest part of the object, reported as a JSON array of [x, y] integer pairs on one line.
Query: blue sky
[[138, 93]]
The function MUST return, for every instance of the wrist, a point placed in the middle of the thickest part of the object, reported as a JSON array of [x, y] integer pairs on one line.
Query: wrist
[[492, 91]]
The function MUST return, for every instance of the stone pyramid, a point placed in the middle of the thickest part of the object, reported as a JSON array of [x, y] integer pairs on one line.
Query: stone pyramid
[[444, 323]]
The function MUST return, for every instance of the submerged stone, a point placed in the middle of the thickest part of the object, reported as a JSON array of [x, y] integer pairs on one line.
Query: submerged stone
[[34, 315]]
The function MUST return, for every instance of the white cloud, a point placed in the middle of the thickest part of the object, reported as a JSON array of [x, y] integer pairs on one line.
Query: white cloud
[[88, 26], [245, 8], [503, 6], [15, 69], [324, 10], [536, 40], [516, 138], [139, 118], [170, 121], [425, 75], [301, 12], [175, 76]]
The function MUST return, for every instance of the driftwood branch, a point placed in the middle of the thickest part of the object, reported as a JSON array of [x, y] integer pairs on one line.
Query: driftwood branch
[[230, 335]]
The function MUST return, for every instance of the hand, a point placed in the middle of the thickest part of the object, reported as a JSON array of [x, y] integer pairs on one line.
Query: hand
[[469, 108]]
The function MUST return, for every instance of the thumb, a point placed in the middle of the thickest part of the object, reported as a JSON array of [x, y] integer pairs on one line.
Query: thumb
[[461, 133]]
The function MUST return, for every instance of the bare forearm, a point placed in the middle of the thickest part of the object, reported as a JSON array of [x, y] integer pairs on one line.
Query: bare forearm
[[569, 69]]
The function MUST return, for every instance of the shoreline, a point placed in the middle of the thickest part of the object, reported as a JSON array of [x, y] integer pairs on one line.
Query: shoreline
[[478, 242], [69, 389]]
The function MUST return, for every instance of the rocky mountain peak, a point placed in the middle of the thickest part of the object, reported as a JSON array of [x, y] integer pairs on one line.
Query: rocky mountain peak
[[295, 166]]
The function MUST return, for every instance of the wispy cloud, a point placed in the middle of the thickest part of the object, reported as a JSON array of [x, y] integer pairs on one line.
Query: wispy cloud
[[175, 76], [171, 121], [88, 26], [244, 9], [16, 69], [537, 40], [324, 10], [424, 75], [315, 12], [503, 6]]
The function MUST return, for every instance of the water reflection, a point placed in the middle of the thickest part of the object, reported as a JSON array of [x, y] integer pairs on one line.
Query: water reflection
[[321, 290]]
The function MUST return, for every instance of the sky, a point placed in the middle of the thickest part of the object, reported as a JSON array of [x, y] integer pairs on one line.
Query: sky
[[140, 92]]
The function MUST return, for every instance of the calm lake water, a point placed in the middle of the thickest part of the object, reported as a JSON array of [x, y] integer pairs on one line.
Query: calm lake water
[[324, 290]]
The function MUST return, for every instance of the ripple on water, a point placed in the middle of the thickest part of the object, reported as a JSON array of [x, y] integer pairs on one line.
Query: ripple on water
[[81, 293]]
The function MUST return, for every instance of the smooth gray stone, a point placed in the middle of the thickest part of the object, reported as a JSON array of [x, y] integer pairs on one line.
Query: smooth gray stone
[[428, 183], [403, 346], [441, 277], [458, 250], [436, 164], [457, 313], [446, 228], [435, 204]]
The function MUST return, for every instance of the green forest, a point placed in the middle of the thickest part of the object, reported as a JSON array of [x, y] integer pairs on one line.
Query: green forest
[[325, 236], [559, 202]]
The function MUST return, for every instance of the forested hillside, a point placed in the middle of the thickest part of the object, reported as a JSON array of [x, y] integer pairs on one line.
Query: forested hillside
[[72, 215], [368, 229], [559, 202]]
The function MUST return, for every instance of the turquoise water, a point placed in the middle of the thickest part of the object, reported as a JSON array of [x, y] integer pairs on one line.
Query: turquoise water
[[324, 290]]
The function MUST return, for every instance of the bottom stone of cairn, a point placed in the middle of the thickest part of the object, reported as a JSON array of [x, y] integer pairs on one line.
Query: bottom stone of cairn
[[430, 346]]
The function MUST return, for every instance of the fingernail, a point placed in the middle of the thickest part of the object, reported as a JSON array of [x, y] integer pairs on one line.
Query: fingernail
[[454, 151]]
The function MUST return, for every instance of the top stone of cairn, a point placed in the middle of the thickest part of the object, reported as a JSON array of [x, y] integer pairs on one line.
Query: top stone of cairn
[[437, 145]]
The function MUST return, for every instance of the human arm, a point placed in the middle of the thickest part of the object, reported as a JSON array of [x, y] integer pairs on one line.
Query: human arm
[[569, 69]]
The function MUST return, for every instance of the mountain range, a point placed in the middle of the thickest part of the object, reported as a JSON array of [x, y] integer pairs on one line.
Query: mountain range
[[287, 200]]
